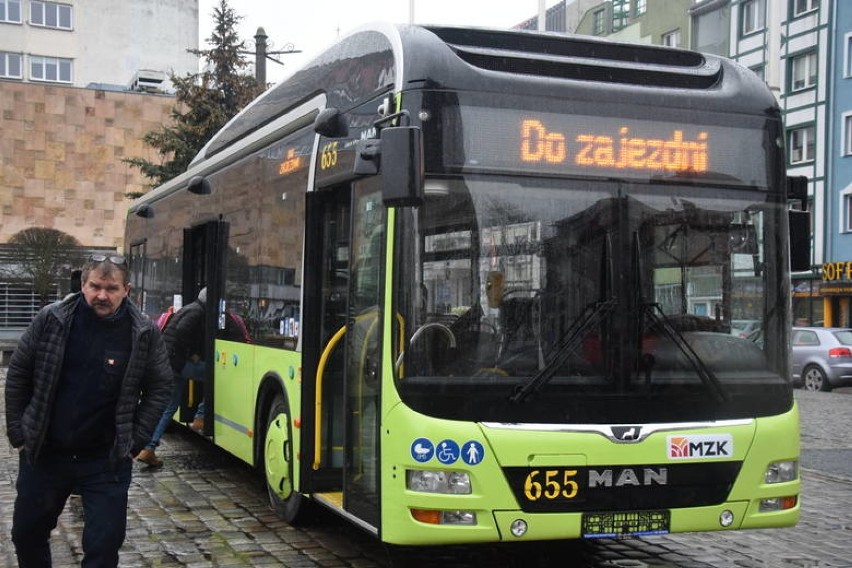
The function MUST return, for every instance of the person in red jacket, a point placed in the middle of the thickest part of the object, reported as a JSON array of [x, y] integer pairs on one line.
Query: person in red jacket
[[85, 388]]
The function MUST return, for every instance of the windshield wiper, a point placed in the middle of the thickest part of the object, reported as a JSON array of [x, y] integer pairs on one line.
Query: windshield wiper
[[704, 373], [573, 336], [571, 340]]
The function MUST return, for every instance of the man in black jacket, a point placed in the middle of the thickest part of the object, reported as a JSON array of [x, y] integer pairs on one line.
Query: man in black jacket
[[84, 390]]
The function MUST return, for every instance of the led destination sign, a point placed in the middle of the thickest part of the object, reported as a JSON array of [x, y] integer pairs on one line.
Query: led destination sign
[[623, 151], [583, 145]]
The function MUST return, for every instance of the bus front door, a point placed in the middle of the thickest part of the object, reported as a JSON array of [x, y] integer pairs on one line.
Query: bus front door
[[352, 234]]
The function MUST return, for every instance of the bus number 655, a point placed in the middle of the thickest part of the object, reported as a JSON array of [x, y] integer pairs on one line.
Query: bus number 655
[[328, 156], [550, 484]]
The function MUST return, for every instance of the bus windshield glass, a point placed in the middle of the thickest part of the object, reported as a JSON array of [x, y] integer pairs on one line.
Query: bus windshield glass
[[536, 299]]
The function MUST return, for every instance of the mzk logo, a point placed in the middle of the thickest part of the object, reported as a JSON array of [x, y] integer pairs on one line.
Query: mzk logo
[[703, 446]]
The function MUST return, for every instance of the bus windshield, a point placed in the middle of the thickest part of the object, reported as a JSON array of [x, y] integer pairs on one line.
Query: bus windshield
[[530, 299]]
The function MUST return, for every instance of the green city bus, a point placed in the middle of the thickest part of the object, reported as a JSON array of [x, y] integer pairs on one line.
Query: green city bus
[[487, 280]]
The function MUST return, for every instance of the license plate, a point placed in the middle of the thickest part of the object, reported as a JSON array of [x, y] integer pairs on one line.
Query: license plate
[[627, 523]]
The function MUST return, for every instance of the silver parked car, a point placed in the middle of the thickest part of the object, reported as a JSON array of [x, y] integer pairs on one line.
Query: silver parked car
[[822, 357]]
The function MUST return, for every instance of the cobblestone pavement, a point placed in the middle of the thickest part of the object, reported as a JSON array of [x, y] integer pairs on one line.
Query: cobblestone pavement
[[205, 508]]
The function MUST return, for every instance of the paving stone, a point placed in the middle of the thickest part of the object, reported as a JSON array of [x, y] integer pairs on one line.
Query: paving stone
[[204, 508]]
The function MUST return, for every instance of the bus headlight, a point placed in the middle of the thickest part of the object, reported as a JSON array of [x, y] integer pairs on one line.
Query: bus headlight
[[431, 481], [782, 471]]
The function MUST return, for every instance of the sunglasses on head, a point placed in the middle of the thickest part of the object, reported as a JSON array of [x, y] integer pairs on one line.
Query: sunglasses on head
[[117, 260]]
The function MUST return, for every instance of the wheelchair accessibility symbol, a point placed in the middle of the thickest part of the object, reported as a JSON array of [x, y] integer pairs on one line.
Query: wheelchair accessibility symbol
[[447, 452]]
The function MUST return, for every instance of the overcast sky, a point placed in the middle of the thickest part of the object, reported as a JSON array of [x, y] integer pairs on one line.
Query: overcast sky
[[312, 25]]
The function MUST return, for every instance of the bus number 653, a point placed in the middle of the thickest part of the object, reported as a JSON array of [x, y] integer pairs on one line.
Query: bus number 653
[[550, 484]]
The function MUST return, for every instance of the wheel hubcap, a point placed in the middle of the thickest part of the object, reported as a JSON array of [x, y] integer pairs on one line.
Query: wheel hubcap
[[275, 461], [813, 380]]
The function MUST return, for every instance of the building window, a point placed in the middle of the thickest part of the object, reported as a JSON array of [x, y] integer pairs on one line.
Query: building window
[[802, 145], [10, 11], [598, 22], [10, 65], [641, 7], [803, 71], [50, 69], [672, 38], [847, 63], [847, 134], [753, 16], [620, 14], [802, 6], [760, 71], [847, 213], [50, 15]]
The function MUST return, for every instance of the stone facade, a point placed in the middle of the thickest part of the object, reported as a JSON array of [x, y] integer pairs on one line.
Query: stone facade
[[61, 158]]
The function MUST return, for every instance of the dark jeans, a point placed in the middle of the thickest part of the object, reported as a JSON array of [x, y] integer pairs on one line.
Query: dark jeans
[[44, 487], [177, 395]]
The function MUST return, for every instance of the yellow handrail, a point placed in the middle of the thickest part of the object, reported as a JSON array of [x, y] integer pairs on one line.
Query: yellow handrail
[[326, 353], [318, 395]]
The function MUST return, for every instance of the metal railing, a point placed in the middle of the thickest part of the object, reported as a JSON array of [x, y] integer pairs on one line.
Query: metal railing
[[19, 304]]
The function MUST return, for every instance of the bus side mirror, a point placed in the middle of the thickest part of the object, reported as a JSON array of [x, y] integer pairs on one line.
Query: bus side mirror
[[402, 166], [331, 123], [800, 240]]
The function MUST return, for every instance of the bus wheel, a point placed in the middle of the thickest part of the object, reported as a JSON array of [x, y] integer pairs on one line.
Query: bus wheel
[[278, 462]]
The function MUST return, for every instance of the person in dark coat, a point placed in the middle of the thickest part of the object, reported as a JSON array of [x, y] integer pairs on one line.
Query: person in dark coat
[[183, 333], [85, 388]]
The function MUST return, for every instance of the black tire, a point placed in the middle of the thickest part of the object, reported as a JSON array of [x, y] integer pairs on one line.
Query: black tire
[[277, 463], [814, 379]]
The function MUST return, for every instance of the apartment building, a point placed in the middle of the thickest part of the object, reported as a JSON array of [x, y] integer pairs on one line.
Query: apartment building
[[563, 16], [81, 82], [836, 287], [98, 43], [799, 48], [660, 22], [803, 50]]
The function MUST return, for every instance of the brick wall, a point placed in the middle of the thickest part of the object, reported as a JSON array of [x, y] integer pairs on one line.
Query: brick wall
[[61, 151]]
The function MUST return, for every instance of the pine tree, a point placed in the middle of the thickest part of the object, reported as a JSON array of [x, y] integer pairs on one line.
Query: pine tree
[[205, 101]]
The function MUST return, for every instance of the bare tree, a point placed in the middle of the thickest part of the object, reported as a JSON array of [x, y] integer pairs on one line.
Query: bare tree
[[44, 258]]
